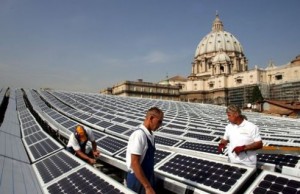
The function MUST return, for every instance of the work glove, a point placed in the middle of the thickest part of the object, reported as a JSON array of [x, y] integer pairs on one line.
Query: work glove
[[221, 148], [239, 149]]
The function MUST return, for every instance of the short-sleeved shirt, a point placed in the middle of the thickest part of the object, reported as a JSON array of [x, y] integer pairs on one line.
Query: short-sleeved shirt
[[138, 145], [239, 135], [73, 142]]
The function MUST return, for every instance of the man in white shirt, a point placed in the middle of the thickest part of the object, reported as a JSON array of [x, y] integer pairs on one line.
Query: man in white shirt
[[77, 144], [243, 138], [140, 154]]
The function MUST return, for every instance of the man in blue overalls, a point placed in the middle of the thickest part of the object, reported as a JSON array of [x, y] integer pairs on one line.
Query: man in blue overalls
[[140, 154], [77, 144]]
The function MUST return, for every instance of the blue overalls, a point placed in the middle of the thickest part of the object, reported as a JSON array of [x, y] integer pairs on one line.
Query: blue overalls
[[148, 168]]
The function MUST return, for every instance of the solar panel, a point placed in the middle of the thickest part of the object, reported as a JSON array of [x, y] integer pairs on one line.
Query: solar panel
[[160, 155], [105, 124], [206, 174], [43, 148], [30, 130], [200, 136], [279, 159], [111, 145], [55, 165], [272, 182], [98, 135], [166, 141], [119, 120], [35, 137], [86, 180], [201, 147], [132, 123], [118, 128], [84, 116], [93, 120], [173, 132], [69, 124]]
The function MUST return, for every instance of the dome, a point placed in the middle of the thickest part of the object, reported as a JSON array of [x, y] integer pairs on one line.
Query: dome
[[218, 39], [221, 57]]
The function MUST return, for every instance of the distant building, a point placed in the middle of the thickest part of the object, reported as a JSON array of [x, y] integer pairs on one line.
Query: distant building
[[144, 90], [220, 76]]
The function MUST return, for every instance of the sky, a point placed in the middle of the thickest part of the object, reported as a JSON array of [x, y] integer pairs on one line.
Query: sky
[[89, 45]]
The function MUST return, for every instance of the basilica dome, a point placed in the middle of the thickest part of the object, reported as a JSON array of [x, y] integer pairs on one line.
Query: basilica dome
[[218, 53], [218, 39]]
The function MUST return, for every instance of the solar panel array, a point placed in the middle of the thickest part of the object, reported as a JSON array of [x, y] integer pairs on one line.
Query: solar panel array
[[192, 129], [51, 163]]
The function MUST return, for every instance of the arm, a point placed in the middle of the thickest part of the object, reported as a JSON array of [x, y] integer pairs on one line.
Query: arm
[[254, 146], [138, 171], [96, 152], [82, 155]]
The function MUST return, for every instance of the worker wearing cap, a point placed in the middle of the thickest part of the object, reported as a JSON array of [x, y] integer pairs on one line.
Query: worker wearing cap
[[77, 144]]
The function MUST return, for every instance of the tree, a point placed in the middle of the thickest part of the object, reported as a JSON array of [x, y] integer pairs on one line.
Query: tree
[[256, 95]]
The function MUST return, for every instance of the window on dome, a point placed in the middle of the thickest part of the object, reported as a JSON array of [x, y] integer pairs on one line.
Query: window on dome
[[278, 77], [222, 69]]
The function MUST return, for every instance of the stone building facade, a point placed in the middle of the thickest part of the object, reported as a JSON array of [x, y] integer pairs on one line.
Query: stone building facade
[[220, 75]]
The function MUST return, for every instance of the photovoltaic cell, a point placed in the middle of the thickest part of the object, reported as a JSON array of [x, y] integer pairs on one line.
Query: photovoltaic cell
[[98, 135], [69, 123], [93, 120], [173, 132], [43, 148], [118, 128], [200, 136], [83, 181], [132, 123], [35, 137], [111, 144], [31, 130], [159, 155], [55, 165], [279, 159], [271, 182], [203, 173], [200, 147], [165, 141], [105, 124]]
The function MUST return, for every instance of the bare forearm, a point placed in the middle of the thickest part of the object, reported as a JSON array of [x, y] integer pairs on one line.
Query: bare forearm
[[82, 155], [140, 175], [94, 146], [254, 146]]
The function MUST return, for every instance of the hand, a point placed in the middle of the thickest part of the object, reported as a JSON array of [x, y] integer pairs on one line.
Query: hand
[[92, 161], [221, 148], [149, 190], [96, 153], [239, 149]]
